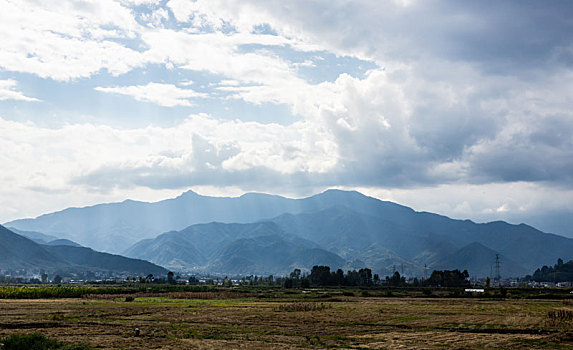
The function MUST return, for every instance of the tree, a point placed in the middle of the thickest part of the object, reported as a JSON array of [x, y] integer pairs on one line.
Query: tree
[[57, 279], [295, 278], [320, 275], [339, 277], [487, 282], [560, 272], [352, 278], [448, 278], [396, 280], [376, 279], [170, 278], [365, 277]]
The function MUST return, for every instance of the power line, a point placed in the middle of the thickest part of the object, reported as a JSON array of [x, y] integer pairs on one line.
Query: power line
[[497, 270]]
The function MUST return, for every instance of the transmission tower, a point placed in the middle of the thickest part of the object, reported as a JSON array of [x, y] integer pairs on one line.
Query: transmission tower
[[497, 268]]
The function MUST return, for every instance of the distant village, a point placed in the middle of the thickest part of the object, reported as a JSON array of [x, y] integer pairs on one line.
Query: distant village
[[319, 275]]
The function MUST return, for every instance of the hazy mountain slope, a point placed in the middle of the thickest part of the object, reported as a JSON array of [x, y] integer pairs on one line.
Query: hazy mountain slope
[[434, 247], [558, 221], [63, 241], [92, 260], [380, 242], [260, 247], [524, 244], [345, 223], [270, 255], [116, 226], [416, 238], [479, 260], [37, 237], [384, 261], [18, 252], [168, 250]]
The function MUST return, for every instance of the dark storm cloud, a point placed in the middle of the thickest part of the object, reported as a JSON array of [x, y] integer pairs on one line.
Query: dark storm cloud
[[512, 34], [498, 35]]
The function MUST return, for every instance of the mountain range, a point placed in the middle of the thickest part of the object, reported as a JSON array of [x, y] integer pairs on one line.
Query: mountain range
[[262, 248], [259, 233], [113, 227], [18, 252]]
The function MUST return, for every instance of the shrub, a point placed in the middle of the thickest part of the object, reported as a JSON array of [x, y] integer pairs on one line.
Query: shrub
[[303, 307], [37, 341], [49, 292]]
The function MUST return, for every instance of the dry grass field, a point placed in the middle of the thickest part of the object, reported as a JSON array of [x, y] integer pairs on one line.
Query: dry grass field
[[227, 320]]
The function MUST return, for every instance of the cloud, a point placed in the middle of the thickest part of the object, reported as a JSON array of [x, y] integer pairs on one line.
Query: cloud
[[439, 111], [201, 145], [496, 36], [167, 95], [8, 92], [220, 54], [356, 132], [67, 40], [454, 94], [516, 202]]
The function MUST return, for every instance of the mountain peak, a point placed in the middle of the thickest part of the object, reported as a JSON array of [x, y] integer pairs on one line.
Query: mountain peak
[[189, 193], [342, 192]]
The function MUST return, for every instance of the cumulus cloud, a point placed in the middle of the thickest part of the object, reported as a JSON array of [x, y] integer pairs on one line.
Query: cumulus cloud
[[495, 36], [221, 54], [456, 93], [8, 91], [66, 40], [200, 146], [167, 95]]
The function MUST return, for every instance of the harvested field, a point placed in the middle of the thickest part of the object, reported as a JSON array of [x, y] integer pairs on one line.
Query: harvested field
[[173, 322]]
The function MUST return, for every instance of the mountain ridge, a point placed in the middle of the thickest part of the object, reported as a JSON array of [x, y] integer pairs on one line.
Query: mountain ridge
[[18, 252], [353, 226], [212, 247]]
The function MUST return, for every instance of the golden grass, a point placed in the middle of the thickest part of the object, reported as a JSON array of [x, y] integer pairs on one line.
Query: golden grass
[[255, 323]]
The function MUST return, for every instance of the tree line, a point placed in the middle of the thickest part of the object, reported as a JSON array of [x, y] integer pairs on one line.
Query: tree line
[[322, 276], [560, 272]]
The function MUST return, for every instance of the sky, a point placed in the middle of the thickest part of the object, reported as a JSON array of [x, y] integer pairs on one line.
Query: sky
[[464, 108]]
